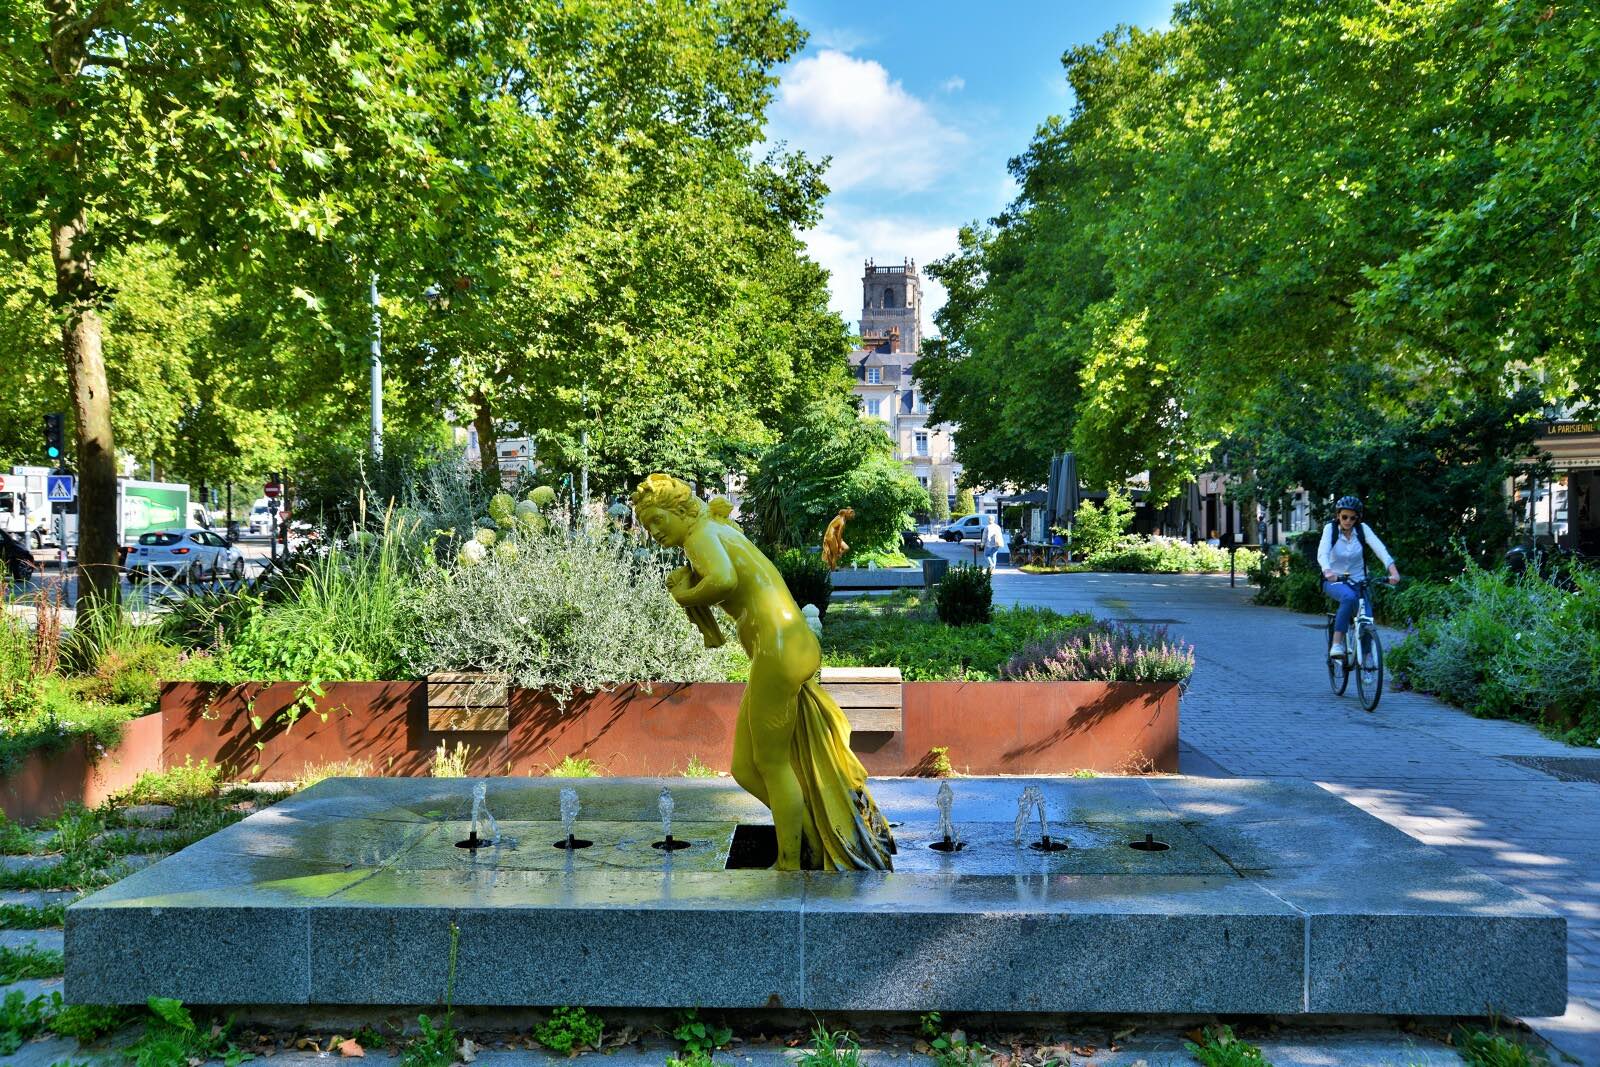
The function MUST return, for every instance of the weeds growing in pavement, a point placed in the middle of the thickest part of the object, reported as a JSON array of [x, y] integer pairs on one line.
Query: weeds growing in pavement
[[21, 1018], [696, 769], [1479, 1048], [171, 1036], [574, 767], [451, 764], [699, 1038], [19, 963], [437, 1044], [830, 1049], [321, 772], [24, 917], [1215, 1046], [568, 1029]]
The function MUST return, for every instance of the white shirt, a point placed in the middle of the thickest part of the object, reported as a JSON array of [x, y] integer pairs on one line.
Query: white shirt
[[1341, 552]]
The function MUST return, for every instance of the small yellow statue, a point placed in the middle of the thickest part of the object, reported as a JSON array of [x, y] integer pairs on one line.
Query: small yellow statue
[[791, 746], [833, 546]]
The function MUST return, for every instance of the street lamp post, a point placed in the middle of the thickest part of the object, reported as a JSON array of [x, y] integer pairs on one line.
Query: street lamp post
[[377, 373]]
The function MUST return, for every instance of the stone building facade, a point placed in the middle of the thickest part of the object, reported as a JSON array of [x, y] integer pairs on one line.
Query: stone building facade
[[891, 340]]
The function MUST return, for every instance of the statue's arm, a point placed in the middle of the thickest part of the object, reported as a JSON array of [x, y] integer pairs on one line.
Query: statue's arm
[[713, 567]]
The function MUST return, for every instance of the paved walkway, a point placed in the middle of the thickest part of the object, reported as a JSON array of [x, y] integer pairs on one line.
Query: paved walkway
[[1259, 705]]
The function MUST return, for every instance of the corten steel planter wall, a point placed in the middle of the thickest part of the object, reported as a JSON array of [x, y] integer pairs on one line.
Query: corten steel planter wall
[[46, 782], [988, 727]]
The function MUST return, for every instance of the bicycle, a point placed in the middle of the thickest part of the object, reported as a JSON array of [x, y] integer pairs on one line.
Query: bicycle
[[1363, 650]]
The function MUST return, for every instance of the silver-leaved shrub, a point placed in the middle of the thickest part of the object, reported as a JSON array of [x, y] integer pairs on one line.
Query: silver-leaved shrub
[[565, 611]]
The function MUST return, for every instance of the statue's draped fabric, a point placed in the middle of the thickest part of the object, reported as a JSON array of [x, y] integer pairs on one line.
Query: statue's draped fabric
[[844, 830]]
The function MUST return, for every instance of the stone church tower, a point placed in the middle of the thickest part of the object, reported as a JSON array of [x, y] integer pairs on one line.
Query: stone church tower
[[891, 299], [884, 365]]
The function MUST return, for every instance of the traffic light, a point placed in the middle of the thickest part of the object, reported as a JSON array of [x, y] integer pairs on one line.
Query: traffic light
[[54, 441]]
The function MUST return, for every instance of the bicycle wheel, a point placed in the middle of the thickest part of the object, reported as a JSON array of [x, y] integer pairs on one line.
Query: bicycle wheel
[[1369, 668], [1338, 673]]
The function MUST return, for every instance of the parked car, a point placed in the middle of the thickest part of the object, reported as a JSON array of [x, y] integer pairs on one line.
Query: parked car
[[184, 555], [964, 527], [18, 561]]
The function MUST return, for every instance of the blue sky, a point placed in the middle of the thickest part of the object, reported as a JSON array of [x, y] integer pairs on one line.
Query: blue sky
[[921, 105]]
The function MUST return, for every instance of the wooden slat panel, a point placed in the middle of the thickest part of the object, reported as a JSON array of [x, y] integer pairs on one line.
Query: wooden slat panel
[[497, 720], [864, 695], [874, 720], [475, 694], [860, 674]]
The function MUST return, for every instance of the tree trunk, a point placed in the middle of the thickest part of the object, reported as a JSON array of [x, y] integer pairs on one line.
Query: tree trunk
[[1252, 525], [488, 443], [98, 578]]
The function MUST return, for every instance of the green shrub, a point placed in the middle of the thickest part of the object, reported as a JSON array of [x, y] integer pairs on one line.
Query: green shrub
[[1166, 555], [568, 1029], [1098, 527], [567, 611], [1288, 579], [342, 616], [1104, 652], [1513, 647], [807, 577], [902, 631], [966, 502], [965, 595]]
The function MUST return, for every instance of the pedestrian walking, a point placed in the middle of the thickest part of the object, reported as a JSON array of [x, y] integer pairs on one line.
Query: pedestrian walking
[[993, 541]]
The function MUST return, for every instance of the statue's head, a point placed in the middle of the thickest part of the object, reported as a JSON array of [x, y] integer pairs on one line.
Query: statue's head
[[847, 513], [668, 508]]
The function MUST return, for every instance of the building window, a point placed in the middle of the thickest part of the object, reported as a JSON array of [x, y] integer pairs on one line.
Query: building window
[[875, 408], [921, 443], [874, 376], [888, 298], [921, 404], [922, 480]]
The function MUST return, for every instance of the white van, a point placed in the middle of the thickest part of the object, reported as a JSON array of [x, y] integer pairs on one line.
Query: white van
[[260, 517]]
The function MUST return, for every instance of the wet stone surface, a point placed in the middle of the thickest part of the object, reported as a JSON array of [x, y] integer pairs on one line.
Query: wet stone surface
[[1272, 896]]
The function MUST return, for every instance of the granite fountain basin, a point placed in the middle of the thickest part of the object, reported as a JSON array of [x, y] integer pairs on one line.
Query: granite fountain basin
[[1271, 896]]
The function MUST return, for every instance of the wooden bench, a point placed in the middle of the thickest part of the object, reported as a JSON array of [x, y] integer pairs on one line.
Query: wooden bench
[[466, 700], [870, 697]]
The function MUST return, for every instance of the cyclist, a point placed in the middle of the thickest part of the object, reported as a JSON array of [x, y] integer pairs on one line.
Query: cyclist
[[1344, 551]]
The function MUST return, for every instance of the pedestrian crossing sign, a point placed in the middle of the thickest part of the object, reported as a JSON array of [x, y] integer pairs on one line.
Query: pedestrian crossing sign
[[61, 489]]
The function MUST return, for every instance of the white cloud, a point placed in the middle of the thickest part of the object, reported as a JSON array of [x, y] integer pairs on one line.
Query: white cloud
[[840, 38], [878, 134], [844, 242], [953, 84]]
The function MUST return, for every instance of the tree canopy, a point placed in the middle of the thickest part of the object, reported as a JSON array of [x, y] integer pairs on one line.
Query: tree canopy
[[1241, 208]]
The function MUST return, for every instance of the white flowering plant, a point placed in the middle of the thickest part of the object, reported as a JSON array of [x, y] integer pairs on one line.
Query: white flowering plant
[[559, 610]]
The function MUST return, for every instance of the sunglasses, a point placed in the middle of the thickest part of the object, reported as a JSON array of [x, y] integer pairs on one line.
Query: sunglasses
[[1347, 516]]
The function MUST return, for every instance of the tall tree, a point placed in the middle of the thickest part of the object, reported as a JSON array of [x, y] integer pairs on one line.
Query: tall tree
[[237, 131]]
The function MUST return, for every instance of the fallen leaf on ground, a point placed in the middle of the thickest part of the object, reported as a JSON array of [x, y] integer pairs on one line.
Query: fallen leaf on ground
[[1122, 1035], [308, 1044], [922, 1047], [1001, 1059], [351, 1048], [469, 1050]]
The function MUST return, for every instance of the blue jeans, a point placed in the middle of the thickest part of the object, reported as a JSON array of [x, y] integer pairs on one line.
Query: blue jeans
[[1348, 600]]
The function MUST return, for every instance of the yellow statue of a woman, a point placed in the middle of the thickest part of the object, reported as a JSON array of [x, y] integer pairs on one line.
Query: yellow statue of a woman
[[791, 746]]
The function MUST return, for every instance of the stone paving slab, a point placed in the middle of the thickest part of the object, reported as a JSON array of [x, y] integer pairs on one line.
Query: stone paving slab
[[1268, 898], [38, 898], [43, 940]]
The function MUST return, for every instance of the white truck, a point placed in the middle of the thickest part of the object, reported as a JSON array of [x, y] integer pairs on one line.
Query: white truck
[[24, 511], [141, 507]]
